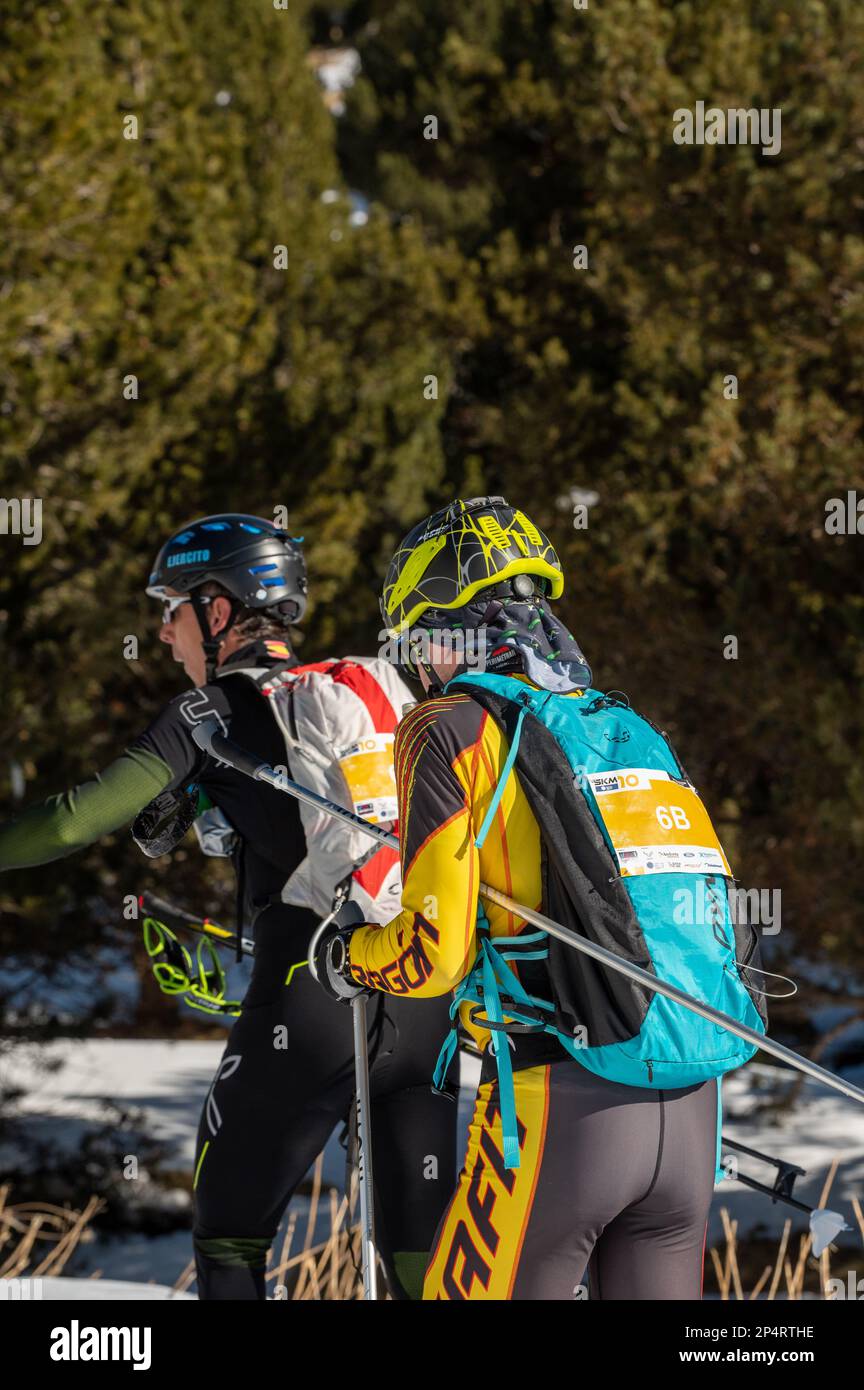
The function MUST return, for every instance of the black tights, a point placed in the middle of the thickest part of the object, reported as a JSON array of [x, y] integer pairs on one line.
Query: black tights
[[285, 1080]]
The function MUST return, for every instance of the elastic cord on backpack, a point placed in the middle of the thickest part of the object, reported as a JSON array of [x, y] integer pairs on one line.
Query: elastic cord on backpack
[[754, 969]]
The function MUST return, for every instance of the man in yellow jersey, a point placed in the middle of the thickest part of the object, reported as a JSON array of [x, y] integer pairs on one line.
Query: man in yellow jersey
[[616, 1175]]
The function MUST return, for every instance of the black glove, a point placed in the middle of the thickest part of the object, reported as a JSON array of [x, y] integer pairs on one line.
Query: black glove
[[163, 822], [328, 954]]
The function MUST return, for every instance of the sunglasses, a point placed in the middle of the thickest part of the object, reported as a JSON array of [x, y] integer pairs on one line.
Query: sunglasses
[[170, 605]]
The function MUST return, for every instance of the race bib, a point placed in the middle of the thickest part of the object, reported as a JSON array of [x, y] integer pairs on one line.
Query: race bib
[[367, 767], [656, 826]]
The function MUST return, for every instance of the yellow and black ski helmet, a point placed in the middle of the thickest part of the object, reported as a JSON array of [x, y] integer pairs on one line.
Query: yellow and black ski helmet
[[448, 558]]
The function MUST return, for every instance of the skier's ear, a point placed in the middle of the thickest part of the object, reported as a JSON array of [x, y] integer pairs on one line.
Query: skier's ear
[[219, 614]]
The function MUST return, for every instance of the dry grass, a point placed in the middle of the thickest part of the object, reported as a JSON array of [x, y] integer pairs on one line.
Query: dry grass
[[37, 1239], [328, 1271]]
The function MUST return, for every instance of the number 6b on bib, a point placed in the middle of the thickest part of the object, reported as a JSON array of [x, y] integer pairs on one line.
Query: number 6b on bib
[[656, 825]]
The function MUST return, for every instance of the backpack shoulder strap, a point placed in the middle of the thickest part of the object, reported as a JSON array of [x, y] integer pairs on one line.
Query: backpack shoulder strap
[[263, 676]]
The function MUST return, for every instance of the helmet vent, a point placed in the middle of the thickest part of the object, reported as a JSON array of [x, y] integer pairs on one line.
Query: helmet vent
[[494, 530], [529, 528]]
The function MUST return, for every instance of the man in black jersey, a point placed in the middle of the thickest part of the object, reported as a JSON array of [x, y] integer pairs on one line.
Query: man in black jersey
[[231, 587]]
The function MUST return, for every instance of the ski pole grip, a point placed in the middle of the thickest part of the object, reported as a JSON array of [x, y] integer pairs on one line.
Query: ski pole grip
[[209, 738], [350, 914]]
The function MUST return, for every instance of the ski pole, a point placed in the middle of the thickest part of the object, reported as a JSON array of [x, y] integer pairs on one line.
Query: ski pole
[[207, 736], [156, 906], [825, 1224], [783, 1183], [364, 1150], [350, 913]]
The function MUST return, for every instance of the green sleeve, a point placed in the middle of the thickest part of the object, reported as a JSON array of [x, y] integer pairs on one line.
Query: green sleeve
[[69, 821]]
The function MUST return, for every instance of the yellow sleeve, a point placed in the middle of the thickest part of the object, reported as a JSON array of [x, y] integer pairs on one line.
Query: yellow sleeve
[[431, 945]]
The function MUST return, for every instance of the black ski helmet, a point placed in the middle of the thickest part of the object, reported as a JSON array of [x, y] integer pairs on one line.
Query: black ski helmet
[[259, 564]]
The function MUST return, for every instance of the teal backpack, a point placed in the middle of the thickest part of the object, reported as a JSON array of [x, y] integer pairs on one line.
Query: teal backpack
[[631, 861]]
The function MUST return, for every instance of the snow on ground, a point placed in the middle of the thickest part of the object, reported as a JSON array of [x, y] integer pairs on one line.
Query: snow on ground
[[167, 1081]]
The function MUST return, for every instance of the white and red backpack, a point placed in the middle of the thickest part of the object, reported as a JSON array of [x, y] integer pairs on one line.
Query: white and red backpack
[[338, 719]]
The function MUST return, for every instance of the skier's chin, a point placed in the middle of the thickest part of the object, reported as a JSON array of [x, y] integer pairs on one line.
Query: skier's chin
[[187, 667]]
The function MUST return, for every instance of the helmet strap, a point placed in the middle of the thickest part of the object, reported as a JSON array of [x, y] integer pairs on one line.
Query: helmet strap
[[210, 643], [435, 686]]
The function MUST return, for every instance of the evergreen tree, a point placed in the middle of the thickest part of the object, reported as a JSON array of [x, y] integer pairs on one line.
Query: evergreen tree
[[191, 324]]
